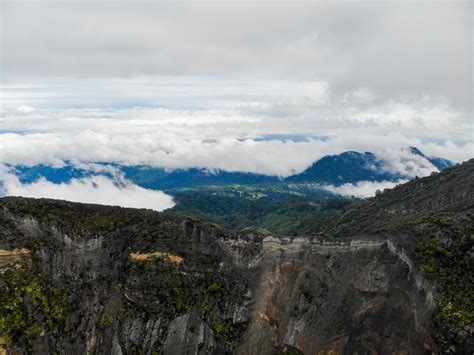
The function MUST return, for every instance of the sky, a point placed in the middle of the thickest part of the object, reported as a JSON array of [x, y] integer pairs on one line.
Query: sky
[[204, 84]]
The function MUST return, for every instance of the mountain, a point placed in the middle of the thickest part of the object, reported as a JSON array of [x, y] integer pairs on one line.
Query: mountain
[[391, 274], [144, 176], [57, 175], [347, 167], [159, 178], [439, 163], [352, 167]]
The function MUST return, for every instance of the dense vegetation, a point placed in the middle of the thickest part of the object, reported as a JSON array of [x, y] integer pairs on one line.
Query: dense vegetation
[[29, 306], [282, 212], [452, 191], [443, 253], [63, 214]]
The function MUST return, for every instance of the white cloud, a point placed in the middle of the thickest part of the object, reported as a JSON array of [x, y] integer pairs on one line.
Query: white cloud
[[404, 162], [25, 109], [97, 189], [361, 188], [207, 145], [214, 137]]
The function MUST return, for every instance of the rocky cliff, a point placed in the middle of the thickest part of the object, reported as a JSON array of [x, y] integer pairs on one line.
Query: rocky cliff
[[393, 275]]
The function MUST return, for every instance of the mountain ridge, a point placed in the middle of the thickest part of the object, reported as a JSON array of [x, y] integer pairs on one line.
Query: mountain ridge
[[347, 167]]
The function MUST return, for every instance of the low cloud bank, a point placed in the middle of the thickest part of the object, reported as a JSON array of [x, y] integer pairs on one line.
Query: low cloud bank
[[175, 150], [95, 189], [361, 188]]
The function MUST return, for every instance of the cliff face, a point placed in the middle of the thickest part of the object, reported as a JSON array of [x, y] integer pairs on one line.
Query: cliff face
[[351, 296], [199, 290], [134, 287], [92, 279]]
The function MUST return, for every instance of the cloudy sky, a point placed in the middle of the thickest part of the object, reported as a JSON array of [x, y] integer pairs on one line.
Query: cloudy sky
[[254, 86]]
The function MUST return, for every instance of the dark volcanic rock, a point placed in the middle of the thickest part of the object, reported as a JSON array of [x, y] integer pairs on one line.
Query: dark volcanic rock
[[189, 334], [358, 296]]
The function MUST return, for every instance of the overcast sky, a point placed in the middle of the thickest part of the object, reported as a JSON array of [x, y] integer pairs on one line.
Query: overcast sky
[[194, 83]]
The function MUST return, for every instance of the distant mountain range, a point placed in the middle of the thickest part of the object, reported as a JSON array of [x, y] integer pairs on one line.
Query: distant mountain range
[[352, 167], [347, 167]]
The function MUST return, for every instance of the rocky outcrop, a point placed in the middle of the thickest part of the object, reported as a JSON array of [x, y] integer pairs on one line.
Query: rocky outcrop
[[188, 334]]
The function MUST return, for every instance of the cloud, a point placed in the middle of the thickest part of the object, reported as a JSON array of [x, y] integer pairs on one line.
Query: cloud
[[224, 138], [362, 188], [25, 109], [404, 162], [388, 49], [96, 189], [108, 85], [205, 143]]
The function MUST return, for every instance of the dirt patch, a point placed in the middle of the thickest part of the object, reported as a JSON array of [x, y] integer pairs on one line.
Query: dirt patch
[[11, 257], [147, 256]]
